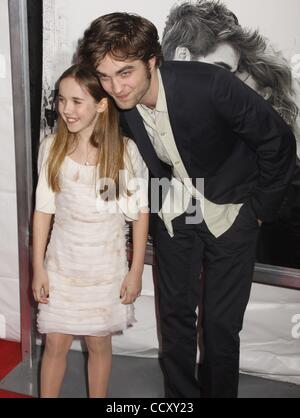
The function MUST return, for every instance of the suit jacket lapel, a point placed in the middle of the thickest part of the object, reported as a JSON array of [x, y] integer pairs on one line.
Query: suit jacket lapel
[[176, 113], [144, 144]]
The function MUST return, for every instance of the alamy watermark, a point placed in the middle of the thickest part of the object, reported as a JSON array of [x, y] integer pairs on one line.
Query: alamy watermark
[[165, 196], [296, 327]]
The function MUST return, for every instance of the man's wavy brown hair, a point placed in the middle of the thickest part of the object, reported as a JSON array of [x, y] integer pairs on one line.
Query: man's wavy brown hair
[[124, 36]]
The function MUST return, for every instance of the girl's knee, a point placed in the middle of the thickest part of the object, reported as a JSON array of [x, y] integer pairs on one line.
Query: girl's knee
[[97, 345], [58, 345]]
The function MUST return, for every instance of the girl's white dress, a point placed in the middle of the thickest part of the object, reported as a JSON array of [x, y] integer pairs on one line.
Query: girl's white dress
[[86, 257]]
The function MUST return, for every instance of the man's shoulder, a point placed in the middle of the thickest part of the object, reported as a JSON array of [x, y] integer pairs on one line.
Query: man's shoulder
[[189, 68], [196, 76]]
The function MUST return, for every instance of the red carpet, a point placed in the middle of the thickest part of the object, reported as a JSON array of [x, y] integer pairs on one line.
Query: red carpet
[[6, 395], [10, 357]]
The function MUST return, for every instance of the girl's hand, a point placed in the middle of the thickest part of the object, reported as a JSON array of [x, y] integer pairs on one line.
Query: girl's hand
[[131, 287], [40, 286]]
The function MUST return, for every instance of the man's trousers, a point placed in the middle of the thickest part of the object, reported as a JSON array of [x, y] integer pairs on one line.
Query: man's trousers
[[227, 263]]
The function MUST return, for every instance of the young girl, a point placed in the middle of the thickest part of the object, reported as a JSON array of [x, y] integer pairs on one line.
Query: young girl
[[82, 284]]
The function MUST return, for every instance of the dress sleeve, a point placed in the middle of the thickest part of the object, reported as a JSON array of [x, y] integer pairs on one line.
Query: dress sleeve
[[140, 174], [137, 178], [45, 197]]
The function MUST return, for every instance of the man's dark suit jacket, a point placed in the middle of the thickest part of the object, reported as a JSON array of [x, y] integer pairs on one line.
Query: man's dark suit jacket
[[225, 133]]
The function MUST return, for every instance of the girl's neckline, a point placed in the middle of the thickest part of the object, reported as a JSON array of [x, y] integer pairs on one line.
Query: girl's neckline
[[81, 165]]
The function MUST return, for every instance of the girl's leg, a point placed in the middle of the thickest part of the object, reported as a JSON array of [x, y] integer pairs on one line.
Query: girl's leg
[[54, 364], [99, 365]]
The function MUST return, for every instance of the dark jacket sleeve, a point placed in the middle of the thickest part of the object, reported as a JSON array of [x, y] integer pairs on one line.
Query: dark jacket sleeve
[[265, 132]]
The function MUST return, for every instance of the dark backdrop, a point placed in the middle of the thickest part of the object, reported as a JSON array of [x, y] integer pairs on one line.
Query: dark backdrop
[[35, 35]]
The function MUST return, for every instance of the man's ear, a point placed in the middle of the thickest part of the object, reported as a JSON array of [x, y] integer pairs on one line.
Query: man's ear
[[152, 63], [182, 54], [102, 105]]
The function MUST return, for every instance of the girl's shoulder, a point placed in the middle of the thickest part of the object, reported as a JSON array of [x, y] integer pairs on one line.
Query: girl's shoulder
[[132, 155], [47, 141], [44, 150], [127, 141], [133, 159], [131, 147]]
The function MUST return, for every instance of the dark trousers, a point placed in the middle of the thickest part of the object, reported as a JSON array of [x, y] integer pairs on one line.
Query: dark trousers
[[228, 264]]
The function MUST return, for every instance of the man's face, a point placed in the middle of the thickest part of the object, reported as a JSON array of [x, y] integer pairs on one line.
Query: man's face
[[225, 56], [127, 82]]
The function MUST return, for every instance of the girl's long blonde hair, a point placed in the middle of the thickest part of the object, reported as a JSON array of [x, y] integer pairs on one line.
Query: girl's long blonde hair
[[106, 137]]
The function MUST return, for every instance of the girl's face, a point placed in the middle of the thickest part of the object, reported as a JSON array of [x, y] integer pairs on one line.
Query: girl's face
[[247, 79], [244, 76], [77, 107]]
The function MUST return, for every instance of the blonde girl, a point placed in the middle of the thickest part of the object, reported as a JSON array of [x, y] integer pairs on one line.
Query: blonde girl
[[81, 279]]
